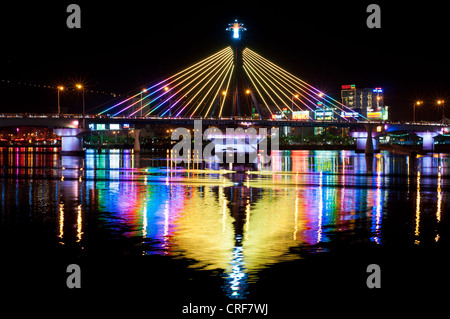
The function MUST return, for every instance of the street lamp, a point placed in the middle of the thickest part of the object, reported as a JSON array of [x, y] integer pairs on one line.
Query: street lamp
[[60, 88], [418, 103], [166, 88], [320, 104], [441, 103], [80, 87], [143, 91], [292, 100], [224, 93]]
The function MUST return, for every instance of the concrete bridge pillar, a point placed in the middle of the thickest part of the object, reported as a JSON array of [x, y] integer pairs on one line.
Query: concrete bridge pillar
[[365, 141], [71, 140], [369, 139], [137, 144], [427, 140]]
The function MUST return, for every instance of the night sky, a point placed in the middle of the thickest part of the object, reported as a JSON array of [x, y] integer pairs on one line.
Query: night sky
[[123, 45]]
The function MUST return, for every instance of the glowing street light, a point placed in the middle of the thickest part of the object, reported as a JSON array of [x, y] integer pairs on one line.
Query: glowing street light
[[80, 87], [60, 88], [292, 100], [143, 91], [166, 88], [322, 106], [222, 96], [441, 103], [418, 103]]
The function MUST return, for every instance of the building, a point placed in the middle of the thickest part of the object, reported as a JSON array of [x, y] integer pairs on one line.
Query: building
[[368, 102]]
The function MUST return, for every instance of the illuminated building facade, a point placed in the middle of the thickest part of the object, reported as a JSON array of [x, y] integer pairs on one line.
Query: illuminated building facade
[[369, 102]]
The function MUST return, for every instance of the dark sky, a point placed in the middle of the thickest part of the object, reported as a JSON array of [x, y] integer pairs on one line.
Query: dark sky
[[123, 45]]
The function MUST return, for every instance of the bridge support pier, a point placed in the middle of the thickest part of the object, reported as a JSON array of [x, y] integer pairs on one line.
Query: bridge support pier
[[427, 140], [137, 144], [71, 140], [364, 143], [369, 140]]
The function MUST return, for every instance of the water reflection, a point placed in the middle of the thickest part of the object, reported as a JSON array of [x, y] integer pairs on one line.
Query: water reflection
[[233, 223]]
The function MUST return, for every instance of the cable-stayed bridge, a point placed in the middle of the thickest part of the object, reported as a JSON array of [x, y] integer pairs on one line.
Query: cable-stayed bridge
[[231, 87], [217, 87]]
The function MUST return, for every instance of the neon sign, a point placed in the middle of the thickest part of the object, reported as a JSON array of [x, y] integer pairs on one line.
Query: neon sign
[[348, 87], [328, 114], [349, 114], [373, 115], [377, 90], [277, 116], [300, 115]]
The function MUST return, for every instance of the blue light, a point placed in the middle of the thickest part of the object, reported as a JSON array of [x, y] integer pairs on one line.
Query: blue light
[[236, 33], [237, 29], [377, 90]]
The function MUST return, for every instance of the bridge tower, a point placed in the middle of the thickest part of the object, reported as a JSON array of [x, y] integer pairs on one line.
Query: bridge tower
[[237, 28]]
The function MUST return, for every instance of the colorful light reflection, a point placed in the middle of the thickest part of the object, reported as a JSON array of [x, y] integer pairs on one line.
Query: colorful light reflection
[[216, 224]]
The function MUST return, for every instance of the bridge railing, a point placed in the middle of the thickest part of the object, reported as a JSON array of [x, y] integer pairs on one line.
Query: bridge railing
[[230, 118]]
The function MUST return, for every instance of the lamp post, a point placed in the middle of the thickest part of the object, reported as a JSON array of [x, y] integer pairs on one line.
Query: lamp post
[[80, 87], [170, 101], [143, 91], [418, 103], [441, 104], [292, 100], [323, 108], [221, 98], [60, 88]]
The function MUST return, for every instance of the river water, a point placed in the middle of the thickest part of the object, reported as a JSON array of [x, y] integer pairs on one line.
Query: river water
[[302, 230]]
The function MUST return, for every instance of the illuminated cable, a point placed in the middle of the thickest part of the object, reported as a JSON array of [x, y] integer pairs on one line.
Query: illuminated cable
[[289, 97], [211, 75], [219, 87], [213, 69], [228, 86], [209, 68], [167, 79], [270, 96], [325, 97], [256, 87], [172, 84], [296, 89], [294, 92], [211, 88]]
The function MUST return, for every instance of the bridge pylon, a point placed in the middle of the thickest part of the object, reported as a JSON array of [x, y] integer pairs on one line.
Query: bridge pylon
[[71, 140], [237, 28]]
